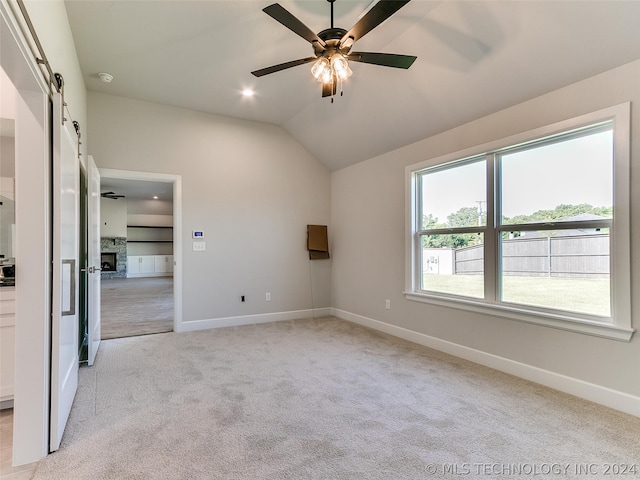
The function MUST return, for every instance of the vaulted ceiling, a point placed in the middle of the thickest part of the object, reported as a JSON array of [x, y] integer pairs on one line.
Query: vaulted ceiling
[[474, 58]]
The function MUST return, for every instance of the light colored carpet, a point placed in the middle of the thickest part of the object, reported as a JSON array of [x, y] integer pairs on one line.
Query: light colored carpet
[[319, 399], [136, 306]]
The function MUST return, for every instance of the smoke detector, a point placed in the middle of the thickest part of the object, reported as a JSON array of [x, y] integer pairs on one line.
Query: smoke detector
[[105, 77]]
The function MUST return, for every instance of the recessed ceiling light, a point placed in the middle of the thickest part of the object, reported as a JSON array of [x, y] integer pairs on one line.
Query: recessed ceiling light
[[155, 197], [248, 92]]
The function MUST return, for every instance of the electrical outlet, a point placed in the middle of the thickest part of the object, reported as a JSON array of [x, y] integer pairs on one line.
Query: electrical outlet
[[268, 296], [387, 304]]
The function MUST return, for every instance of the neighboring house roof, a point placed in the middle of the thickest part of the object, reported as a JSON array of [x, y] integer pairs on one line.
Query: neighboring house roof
[[581, 217]]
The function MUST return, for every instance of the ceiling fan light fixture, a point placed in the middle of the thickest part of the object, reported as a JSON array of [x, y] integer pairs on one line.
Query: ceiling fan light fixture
[[332, 46], [340, 66], [325, 70], [320, 69]]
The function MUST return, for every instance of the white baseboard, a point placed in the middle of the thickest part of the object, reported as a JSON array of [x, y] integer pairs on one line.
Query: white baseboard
[[6, 392], [151, 274], [595, 393], [251, 319]]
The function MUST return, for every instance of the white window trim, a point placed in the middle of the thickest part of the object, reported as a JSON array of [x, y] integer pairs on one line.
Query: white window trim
[[620, 326]]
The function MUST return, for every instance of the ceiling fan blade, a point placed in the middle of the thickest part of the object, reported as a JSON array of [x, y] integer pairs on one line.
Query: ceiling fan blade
[[282, 15], [383, 59], [374, 17], [282, 66]]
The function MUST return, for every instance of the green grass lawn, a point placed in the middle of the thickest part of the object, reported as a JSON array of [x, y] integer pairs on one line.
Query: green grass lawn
[[582, 295]]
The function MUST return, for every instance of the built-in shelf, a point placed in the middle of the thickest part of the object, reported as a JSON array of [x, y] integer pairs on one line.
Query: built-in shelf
[[149, 234], [149, 241]]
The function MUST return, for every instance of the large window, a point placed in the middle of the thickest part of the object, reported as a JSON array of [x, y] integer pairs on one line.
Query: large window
[[534, 227]]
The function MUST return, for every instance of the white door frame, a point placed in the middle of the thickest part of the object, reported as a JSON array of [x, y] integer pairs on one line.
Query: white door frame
[[33, 243], [176, 180]]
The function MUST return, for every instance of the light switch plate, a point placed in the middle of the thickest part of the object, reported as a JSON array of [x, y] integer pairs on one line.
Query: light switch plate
[[199, 246]]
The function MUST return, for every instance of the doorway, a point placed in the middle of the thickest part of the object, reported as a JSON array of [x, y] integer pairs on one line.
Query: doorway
[[141, 281]]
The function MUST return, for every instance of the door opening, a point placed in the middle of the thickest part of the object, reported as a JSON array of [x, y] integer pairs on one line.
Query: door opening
[[139, 236]]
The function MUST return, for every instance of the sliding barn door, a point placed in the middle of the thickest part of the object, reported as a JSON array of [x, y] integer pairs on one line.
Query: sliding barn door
[[93, 260], [64, 326]]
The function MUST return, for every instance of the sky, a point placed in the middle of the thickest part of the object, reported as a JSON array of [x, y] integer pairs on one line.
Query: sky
[[574, 171]]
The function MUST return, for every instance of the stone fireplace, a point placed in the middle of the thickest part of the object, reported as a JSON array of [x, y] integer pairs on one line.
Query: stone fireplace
[[113, 257]]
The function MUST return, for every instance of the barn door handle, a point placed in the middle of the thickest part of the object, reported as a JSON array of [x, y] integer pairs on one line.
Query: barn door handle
[[68, 287], [91, 269]]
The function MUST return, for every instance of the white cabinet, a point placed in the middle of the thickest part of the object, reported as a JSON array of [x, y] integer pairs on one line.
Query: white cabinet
[[163, 263], [137, 264], [149, 265], [7, 341], [133, 266]]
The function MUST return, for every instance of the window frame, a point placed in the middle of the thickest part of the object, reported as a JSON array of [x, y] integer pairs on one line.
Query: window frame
[[419, 232], [618, 326]]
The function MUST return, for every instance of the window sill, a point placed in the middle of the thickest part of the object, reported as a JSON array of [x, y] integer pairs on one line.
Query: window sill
[[562, 322]]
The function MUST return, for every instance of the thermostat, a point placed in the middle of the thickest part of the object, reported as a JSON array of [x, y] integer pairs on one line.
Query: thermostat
[[198, 233]]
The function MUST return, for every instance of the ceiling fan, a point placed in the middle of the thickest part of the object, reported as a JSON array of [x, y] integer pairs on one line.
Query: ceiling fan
[[111, 195], [332, 47]]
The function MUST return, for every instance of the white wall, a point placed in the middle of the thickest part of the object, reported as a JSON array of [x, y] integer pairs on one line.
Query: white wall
[[248, 185], [113, 218], [368, 222], [138, 206]]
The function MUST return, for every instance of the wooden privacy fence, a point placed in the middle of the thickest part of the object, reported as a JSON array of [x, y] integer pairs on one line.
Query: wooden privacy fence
[[582, 256]]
